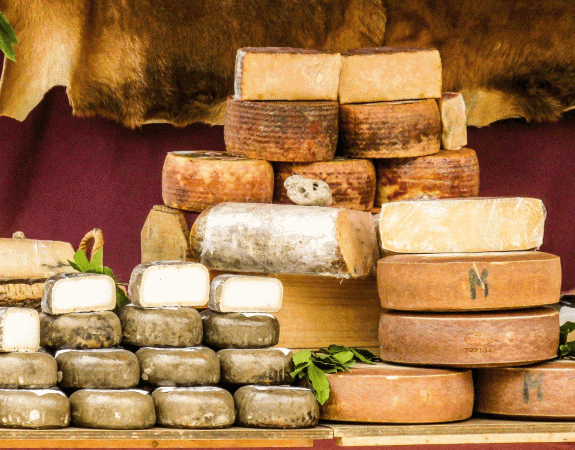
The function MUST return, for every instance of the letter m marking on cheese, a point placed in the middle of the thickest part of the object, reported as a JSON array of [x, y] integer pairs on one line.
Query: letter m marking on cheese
[[530, 383], [475, 279]]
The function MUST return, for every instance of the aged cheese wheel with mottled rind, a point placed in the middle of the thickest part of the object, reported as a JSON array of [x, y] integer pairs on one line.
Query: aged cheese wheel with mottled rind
[[161, 327], [19, 330], [19, 370], [281, 131], [352, 181], [390, 129], [446, 174], [468, 281], [128, 409], [266, 366], [453, 121], [195, 180], [385, 393], [194, 407], [485, 339], [34, 408], [239, 330]]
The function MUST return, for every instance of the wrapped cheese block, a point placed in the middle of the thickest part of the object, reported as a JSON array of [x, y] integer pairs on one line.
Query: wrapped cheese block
[[169, 283], [34, 408], [243, 293], [195, 180], [266, 366], [239, 330], [27, 370], [19, 330], [312, 240], [453, 121], [462, 225], [280, 73]]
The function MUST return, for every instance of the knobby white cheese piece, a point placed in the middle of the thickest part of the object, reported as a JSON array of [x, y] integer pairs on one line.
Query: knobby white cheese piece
[[453, 121], [169, 283], [19, 330], [243, 293]]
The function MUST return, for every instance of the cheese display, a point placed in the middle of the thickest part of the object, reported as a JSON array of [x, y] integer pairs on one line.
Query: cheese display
[[388, 73], [352, 181], [453, 121], [280, 73], [19, 370], [161, 327], [281, 131], [79, 292], [390, 129], [169, 283], [462, 225], [313, 240], [266, 366], [243, 293], [510, 338], [304, 191], [469, 281], [34, 408], [446, 174], [19, 330], [398, 394], [239, 330], [197, 407], [195, 180]]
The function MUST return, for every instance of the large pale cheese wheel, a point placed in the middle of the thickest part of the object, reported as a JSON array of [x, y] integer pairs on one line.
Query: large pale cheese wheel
[[161, 327], [462, 225], [352, 181], [191, 366], [541, 391], [239, 330], [388, 73], [453, 121], [281, 131], [19, 330], [281, 73], [112, 409], [485, 339], [307, 240], [468, 281], [385, 393], [196, 180], [266, 366], [244, 293], [195, 407], [27, 370], [446, 174], [100, 329], [390, 129], [34, 408], [276, 407]]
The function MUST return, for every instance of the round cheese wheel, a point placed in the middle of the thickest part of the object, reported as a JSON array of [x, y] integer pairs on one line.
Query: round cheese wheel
[[192, 366], [240, 330], [446, 174], [352, 181], [281, 130], [196, 407], [276, 407], [385, 393], [195, 180], [34, 408], [468, 282], [265, 366], [161, 327], [27, 370], [390, 129], [112, 409], [469, 339]]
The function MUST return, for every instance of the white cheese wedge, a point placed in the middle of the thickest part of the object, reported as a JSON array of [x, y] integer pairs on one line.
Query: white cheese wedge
[[19, 330], [243, 293]]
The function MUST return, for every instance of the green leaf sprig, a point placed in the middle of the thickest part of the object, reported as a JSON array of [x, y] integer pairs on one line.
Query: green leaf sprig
[[566, 349], [96, 265], [312, 366], [7, 38]]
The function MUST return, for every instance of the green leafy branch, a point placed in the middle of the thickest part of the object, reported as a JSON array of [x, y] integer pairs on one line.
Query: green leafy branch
[[96, 265], [566, 349], [7, 38], [313, 366]]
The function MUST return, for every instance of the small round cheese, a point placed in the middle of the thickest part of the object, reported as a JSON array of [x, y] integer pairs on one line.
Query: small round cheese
[[239, 330], [27, 370], [256, 366], [34, 408]]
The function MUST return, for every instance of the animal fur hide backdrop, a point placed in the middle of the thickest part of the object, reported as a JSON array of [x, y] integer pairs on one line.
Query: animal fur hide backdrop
[[140, 61]]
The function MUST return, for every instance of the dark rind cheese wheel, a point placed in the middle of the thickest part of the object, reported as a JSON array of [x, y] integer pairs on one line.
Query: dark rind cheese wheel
[[100, 329], [34, 408], [267, 366], [542, 391], [161, 327], [196, 407], [195, 180], [276, 407], [281, 130], [469, 281], [352, 181], [239, 330], [390, 129], [385, 393], [112, 409], [446, 174], [193, 366], [100, 369], [484, 339], [22, 370]]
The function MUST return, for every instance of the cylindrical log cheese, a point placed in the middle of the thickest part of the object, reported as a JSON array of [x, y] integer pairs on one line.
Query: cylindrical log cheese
[[34, 408], [281, 130], [196, 180], [19, 330], [483, 339], [385, 393], [446, 174], [390, 129], [307, 240], [239, 330], [469, 281], [352, 181], [19, 370], [265, 366]]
